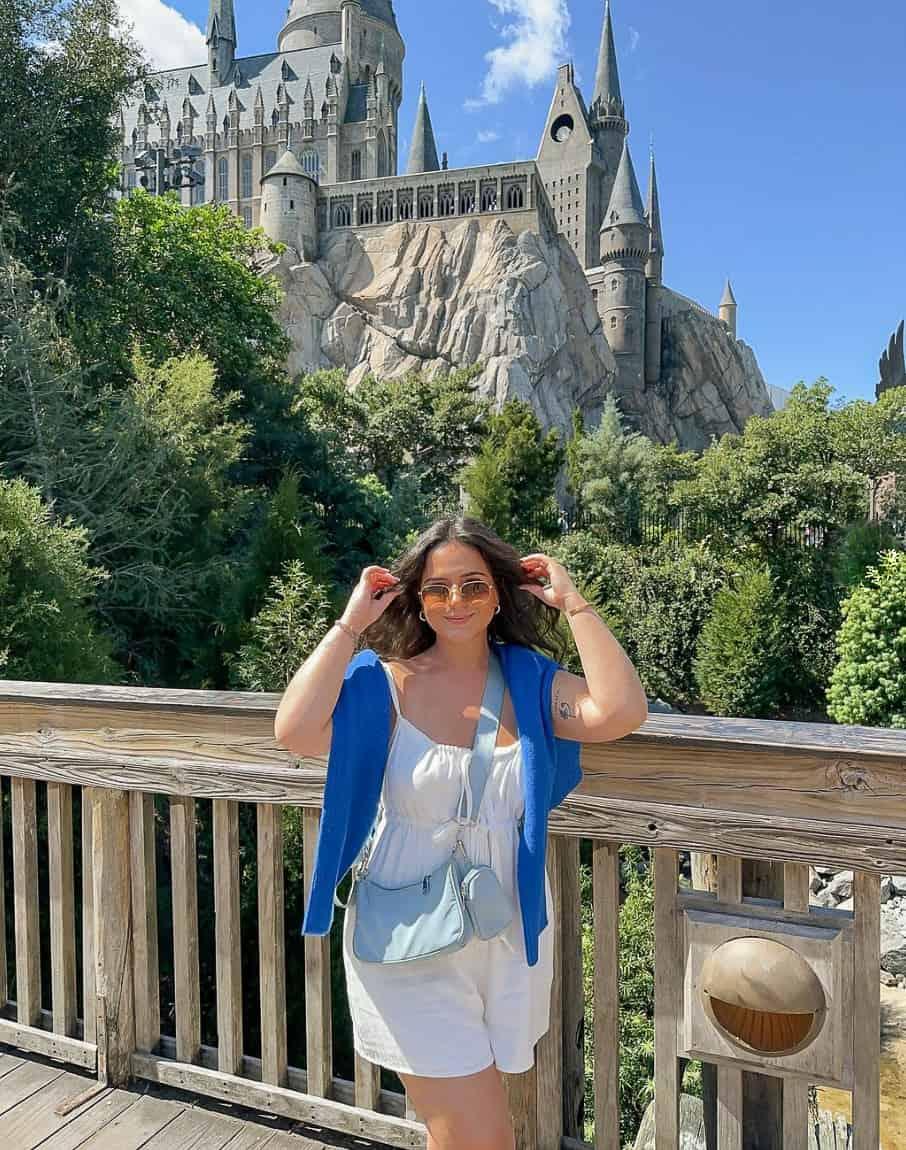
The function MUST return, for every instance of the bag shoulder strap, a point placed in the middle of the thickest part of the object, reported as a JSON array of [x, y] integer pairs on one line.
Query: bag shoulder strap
[[485, 735]]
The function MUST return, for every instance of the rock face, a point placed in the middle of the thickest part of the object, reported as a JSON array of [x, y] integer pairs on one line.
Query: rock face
[[422, 298], [434, 297]]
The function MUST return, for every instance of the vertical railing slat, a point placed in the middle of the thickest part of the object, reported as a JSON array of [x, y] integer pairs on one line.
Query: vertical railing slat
[[867, 1011], [25, 890], [573, 994], [4, 977], [184, 880], [271, 944], [318, 1036], [227, 936], [729, 1078], [62, 907], [549, 1050], [668, 961], [795, 1093], [89, 964], [144, 921], [606, 903]]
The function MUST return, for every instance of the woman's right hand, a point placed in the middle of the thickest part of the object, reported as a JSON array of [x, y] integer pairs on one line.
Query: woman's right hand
[[371, 596]]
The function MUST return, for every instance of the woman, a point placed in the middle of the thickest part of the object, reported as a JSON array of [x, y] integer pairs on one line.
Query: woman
[[450, 1024]]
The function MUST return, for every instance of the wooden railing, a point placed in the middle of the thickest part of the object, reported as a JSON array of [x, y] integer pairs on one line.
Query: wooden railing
[[792, 793]]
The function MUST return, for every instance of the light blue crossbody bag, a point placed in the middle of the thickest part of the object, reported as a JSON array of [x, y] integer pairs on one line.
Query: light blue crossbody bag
[[443, 910]]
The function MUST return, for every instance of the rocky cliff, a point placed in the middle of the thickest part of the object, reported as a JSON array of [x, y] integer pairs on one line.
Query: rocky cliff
[[429, 298]]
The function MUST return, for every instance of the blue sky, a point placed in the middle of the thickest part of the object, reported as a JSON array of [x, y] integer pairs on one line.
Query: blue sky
[[778, 130]]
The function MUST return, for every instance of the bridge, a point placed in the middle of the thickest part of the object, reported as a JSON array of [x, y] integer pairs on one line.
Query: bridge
[[773, 994]]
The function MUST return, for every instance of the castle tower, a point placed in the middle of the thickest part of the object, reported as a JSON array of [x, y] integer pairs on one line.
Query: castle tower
[[289, 206], [423, 151], [311, 24], [625, 248], [727, 309], [654, 269], [221, 41], [607, 115]]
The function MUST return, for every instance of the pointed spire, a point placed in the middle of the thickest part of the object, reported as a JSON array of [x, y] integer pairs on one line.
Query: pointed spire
[[728, 299], [654, 269], [625, 205], [259, 98], [423, 152], [221, 21], [607, 99]]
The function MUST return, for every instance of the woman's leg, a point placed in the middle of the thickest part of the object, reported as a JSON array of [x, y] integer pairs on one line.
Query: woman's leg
[[470, 1112]]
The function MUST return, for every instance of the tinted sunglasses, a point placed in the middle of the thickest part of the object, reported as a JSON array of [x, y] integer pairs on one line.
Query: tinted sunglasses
[[475, 592]]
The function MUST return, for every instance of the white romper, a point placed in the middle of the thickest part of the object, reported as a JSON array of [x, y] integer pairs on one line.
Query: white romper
[[454, 1013]]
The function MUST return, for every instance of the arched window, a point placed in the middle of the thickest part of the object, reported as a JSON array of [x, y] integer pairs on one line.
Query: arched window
[[383, 161], [223, 178], [356, 165], [247, 217], [489, 200], [445, 204], [130, 180], [385, 211], [342, 216], [275, 119], [366, 213], [198, 188], [466, 202], [425, 205], [613, 285], [515, 197], [270, 158], [246, 191], [405, 207], [613, 322], [311, 164]]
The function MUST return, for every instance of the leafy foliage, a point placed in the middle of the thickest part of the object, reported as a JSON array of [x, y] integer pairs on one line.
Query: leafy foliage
[[868, 684]]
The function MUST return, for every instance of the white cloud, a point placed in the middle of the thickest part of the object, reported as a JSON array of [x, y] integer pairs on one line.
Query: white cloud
[[488, 137], [168, 38], [534, 43], [633, 39]]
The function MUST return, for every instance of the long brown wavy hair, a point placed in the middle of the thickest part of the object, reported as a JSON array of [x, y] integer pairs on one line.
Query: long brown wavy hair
[[523, 618]]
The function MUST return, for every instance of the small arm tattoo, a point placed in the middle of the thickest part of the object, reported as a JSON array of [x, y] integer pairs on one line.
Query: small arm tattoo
[[563, 708]]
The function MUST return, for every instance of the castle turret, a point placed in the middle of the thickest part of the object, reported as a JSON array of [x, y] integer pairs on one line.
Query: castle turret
[[423, 151], [221, 40], [289, 206], [607, 114], [625, 248], [311, 24], [654, 269], [727, 309]]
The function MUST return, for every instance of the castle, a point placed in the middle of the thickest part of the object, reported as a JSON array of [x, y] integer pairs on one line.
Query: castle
[[303, 142]]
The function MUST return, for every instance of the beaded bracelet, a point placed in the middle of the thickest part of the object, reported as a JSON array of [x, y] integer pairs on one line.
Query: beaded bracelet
[[354, 635]]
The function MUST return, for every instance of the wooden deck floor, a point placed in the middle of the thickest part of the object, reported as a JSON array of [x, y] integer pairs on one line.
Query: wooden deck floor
[[33, 1092]]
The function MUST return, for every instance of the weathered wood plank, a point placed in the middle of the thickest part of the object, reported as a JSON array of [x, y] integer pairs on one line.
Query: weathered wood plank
[[183, 857], [271, 945], [59, 1046], [34, 1121], [606, 910], [24, 1082], [25, 896], [89, 963], [75, 1129], [227, 936], [549, 1049], [729, 1078], [866, 1012], [134, 1126], [194, 1130], [795, 1093], [4, 975], [522, 1096], [144, 920], [668, 966], [115, 1002], [573, 991], [279, 1100], [318, 1036], [62, 907], [367, 1083]]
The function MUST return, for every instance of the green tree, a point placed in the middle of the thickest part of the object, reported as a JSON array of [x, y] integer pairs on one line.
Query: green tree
[[65, 70], [47, 588], [871, 437], [742, 659], [868, 684], [510, 483]]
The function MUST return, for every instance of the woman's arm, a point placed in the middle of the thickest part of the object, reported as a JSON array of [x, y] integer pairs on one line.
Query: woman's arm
[[303, 723], [608, 700]]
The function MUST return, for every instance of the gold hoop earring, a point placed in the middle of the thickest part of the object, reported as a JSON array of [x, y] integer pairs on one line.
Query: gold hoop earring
[[421, 616], [497, 609]]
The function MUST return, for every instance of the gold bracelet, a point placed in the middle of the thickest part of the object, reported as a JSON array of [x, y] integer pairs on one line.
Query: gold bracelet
[[579, 610], [575, 610], [354, 635]]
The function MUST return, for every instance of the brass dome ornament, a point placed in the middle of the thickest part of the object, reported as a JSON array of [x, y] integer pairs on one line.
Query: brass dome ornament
[[762, 996]]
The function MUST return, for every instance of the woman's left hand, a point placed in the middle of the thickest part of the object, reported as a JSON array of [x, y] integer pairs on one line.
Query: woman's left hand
[[559, 585]]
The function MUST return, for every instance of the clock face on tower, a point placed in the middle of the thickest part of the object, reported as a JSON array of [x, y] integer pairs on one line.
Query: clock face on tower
[[562, 128]]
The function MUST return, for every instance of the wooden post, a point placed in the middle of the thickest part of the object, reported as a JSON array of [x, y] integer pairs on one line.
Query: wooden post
[[115, 1010]]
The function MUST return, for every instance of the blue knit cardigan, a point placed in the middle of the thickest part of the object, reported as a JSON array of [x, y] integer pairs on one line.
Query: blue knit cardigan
[[358, 757]]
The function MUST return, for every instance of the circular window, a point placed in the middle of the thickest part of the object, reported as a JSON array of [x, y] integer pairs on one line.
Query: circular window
[[762, 995], [562, 128]]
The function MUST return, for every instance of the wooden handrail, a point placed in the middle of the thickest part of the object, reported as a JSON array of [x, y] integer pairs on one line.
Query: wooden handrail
[[795, 792]]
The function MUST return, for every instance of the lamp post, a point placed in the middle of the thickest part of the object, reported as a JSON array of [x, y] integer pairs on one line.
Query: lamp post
[[164, 173]]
